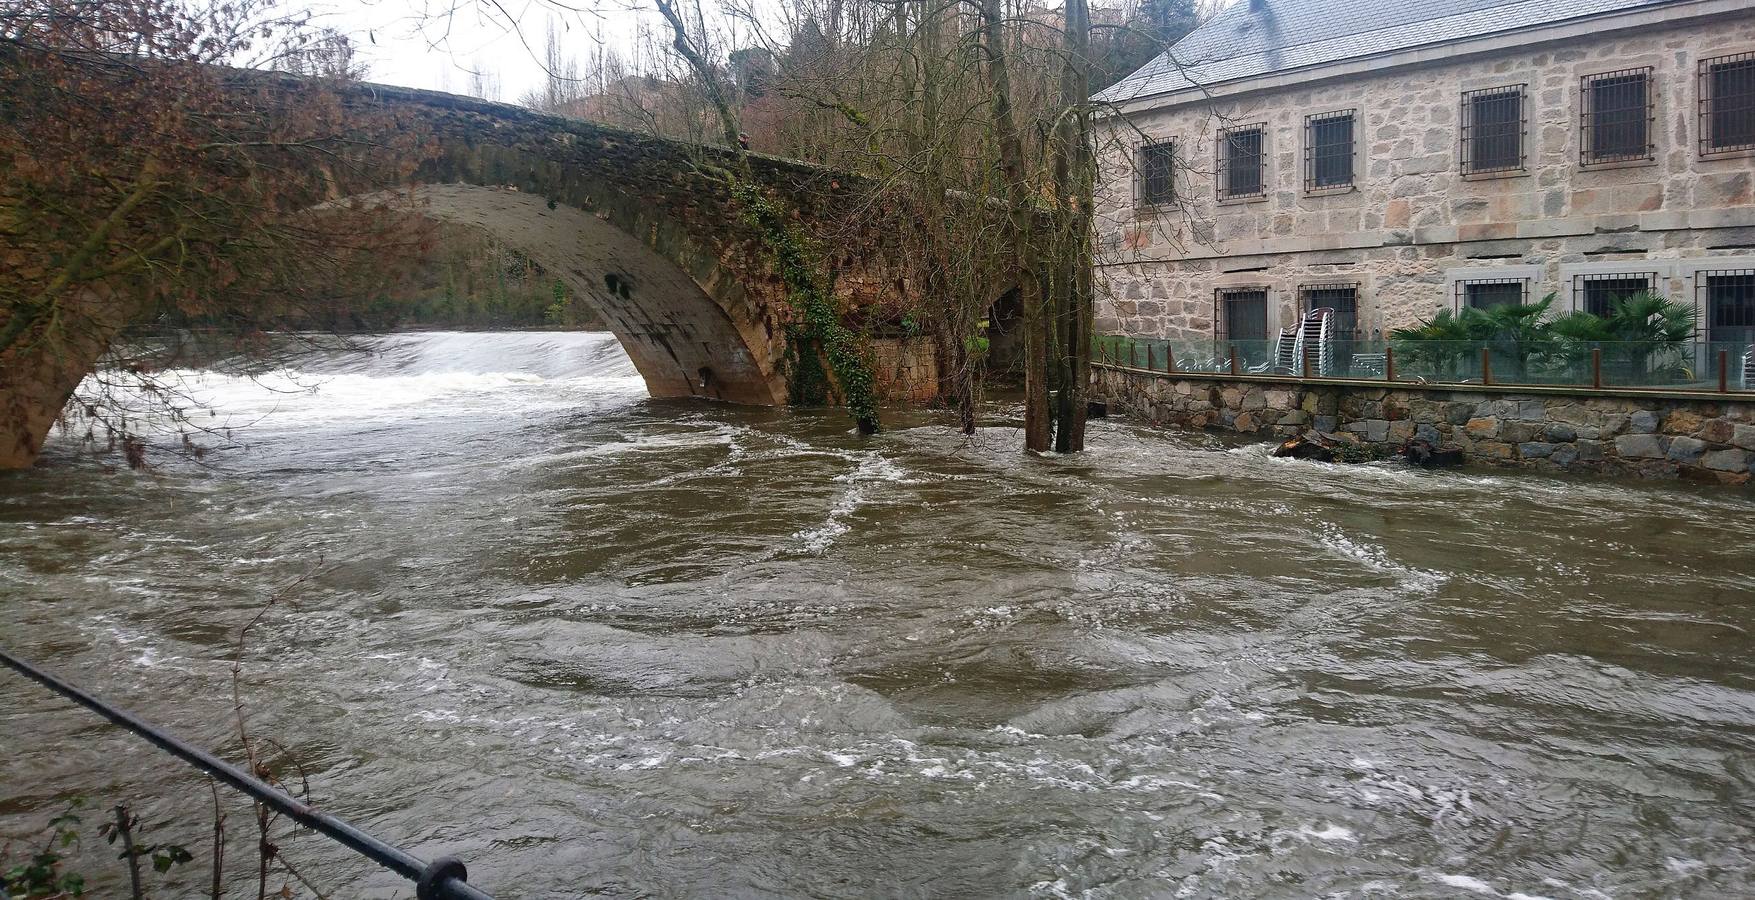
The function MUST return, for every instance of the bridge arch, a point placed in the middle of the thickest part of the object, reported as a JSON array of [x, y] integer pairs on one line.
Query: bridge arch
[[656, 233], [687, 325]]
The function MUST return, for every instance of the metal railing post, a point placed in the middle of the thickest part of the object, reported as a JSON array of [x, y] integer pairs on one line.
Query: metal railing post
[[1233, 359], [1724, 371], [1388, 363], [1596, 368], [1486, 366]]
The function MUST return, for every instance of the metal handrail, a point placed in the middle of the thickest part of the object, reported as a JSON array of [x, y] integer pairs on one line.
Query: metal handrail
[[442, 879]]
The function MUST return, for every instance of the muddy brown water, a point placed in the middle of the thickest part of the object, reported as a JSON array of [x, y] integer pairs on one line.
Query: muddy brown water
[[603, 645]]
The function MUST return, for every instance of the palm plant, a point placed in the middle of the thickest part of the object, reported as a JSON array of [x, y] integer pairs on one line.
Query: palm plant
[[1438, 346], [1637, 328], [1517, 332], [1449, 342], [1650, 327]]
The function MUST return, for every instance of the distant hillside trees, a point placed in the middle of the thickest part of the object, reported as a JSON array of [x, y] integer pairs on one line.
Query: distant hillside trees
[[472, 281]]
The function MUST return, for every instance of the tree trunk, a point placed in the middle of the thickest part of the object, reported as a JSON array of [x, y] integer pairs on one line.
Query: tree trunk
[[1075, 182], [1021, 207], [702, 69], [953, 328]]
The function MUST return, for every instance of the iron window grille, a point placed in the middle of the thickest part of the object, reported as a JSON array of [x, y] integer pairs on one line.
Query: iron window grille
[[1616, 116], [1342, 297], [1492, 130], [1728, 297], [1486, 293], [1598, 294], [1240, 314], [1727, 104], [1242, 162], [1157, 173], [1328, 151]]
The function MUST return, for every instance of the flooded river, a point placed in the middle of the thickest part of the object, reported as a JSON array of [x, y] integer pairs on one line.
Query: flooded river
[[598, 644]]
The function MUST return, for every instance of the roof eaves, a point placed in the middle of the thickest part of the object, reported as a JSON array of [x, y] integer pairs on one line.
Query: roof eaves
[[1155, 76]]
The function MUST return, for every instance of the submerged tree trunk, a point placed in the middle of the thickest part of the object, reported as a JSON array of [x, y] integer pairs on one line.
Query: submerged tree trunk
[[949, 310], [1021, 206], [1074, 183]]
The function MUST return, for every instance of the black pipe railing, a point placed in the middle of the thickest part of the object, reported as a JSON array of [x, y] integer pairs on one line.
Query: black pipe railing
[[442, 879]]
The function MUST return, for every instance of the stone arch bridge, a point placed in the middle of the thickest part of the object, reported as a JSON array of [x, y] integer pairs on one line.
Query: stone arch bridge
[[648, 231]]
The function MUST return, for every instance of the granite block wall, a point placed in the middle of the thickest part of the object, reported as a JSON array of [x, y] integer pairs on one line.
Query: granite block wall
[[1656, 437]]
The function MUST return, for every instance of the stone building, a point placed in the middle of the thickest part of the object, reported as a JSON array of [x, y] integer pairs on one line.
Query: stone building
[[1393, 160]]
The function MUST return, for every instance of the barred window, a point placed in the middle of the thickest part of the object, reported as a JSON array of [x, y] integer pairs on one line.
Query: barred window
[[1486, 293], [1598, 294], [1328, 150], [1240, 314], [1242, 162], [1343, 298], [1727, 103], [1728, 296], [1157, 174], [1492, 130], [1617, 116]]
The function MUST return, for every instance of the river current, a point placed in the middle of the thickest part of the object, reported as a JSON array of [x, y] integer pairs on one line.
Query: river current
[[598, 644]]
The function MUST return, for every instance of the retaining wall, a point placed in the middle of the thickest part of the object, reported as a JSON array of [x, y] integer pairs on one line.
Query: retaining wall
[[1699, 436]]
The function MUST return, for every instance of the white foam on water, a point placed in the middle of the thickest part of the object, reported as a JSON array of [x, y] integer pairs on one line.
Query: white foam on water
[[399, 377], [1468, 883], [1328, 831], [1684, 867], [872, 468], [1375, 558], [723, 435], [1591, 893]]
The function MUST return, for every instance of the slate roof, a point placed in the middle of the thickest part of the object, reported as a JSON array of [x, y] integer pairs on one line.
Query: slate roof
[[1294, 34]]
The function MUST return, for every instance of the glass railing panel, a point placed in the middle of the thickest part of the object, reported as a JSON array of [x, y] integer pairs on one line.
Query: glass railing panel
[[1689, 366]]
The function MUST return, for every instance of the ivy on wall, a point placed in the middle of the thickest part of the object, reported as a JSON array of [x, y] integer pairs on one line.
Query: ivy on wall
[[819, 322]]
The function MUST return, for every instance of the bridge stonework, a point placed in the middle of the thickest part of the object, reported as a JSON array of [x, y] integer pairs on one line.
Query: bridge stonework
[[647, 230]]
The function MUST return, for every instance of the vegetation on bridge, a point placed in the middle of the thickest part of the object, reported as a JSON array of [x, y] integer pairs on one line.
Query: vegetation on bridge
[[819, 328], [141, 184]]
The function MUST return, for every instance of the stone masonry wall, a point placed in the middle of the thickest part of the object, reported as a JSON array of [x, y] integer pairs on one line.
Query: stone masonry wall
[[905, 370], [1412, 216], [1705, 440]]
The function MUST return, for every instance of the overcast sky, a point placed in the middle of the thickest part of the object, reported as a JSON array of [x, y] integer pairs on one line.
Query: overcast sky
[[437, 44], [424, 44]]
